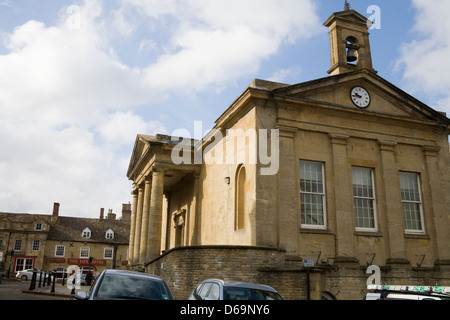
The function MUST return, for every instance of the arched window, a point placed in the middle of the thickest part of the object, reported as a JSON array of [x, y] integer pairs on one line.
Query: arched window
[[352, 50], [240, 198]]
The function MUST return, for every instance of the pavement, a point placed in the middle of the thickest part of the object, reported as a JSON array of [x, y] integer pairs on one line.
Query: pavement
[[58, 291]]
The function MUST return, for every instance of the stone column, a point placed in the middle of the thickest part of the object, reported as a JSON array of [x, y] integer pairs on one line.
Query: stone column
[[155, 217], [288, 197], [437, 199], [343, 195], [132, 228], [137, 233], [194, 226], [145, 219], [393, 206]]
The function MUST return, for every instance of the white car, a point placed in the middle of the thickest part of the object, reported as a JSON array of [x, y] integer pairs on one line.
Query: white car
[[26, 274]]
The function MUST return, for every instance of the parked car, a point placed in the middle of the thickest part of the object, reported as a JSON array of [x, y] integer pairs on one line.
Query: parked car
[[26, 274], [215, 289], [126, 285]]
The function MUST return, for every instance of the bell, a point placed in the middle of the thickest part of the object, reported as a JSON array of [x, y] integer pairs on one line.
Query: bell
[[351, 55]]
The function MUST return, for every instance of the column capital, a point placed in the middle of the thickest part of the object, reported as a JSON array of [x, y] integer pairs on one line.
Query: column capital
[[286, 131], [156, 169], [339, 138], [387, 145], [431, 151]]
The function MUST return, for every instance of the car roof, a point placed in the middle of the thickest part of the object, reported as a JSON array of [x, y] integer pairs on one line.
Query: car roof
[[241, 284], [132, 273]]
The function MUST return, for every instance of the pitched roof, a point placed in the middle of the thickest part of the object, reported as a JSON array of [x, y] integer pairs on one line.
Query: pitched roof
[[71, 229]]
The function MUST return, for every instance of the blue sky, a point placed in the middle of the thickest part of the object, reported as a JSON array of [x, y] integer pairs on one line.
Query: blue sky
[[80, 79]]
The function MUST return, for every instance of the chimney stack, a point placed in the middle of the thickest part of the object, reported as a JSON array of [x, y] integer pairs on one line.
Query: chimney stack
[[55, 212], [102, 214], [126, 212], [111, 215]]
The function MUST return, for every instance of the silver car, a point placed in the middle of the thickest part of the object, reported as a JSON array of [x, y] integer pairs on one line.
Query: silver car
[[26, 274], [215, 289]]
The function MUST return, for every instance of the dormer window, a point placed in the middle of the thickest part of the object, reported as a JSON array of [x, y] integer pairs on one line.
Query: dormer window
[[109, 234], [86, 233]]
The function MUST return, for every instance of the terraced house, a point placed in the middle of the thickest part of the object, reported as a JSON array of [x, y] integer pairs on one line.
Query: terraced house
[[362, 179], [54, 242]]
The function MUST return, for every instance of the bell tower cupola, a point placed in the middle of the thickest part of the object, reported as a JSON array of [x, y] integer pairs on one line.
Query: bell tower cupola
[[349, 41]]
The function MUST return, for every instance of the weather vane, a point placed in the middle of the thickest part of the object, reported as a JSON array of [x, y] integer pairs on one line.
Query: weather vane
[[347, 6]]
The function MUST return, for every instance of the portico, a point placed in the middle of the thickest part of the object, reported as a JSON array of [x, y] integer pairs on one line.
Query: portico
[[152, 185]]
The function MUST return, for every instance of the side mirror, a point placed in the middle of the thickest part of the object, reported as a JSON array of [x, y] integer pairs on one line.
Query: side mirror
[[82, 295]]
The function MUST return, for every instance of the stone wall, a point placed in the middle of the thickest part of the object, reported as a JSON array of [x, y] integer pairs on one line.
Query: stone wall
[[183, 268]]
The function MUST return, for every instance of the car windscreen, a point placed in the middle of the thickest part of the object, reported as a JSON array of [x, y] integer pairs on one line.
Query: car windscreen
[[130, 287], [239, 293]]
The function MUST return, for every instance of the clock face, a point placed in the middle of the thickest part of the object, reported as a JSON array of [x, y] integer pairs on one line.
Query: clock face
[[360, 97]]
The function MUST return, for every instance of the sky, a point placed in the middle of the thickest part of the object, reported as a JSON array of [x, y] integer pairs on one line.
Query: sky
[[80, 79]]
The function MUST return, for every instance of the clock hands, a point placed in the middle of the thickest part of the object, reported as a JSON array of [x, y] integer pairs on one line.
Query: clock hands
[[357, 96]]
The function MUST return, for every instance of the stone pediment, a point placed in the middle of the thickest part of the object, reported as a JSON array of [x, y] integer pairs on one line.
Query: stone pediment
[[141, 147], [386, 98]]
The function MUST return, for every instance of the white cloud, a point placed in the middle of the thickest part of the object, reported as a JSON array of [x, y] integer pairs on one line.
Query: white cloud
[[65, 114], [215, 42], [424, 61], [69, 100]]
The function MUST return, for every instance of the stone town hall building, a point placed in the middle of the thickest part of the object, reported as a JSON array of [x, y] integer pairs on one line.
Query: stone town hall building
[[362, 178]]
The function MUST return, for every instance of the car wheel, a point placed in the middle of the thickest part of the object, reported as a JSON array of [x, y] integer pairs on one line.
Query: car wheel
[[24, 278]]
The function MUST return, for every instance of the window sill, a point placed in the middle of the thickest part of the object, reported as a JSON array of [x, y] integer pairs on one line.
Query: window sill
[[312, 230], [417, 236], [368, 234]]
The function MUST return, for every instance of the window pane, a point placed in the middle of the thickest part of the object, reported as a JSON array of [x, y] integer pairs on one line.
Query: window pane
[[18, 245], [311, 177], [28, 263], [410, 187], [312, 193], [312, 209], [364, 213], [363, 197], [362, 182], [413, 219], [36, 245], [59, 252], [84, 252], [411, 201]]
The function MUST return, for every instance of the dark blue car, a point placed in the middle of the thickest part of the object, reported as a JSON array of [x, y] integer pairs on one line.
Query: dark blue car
[[126, 285]]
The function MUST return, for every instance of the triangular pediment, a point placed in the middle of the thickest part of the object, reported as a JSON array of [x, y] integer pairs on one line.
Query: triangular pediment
[[385, 98], [141, 147]]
